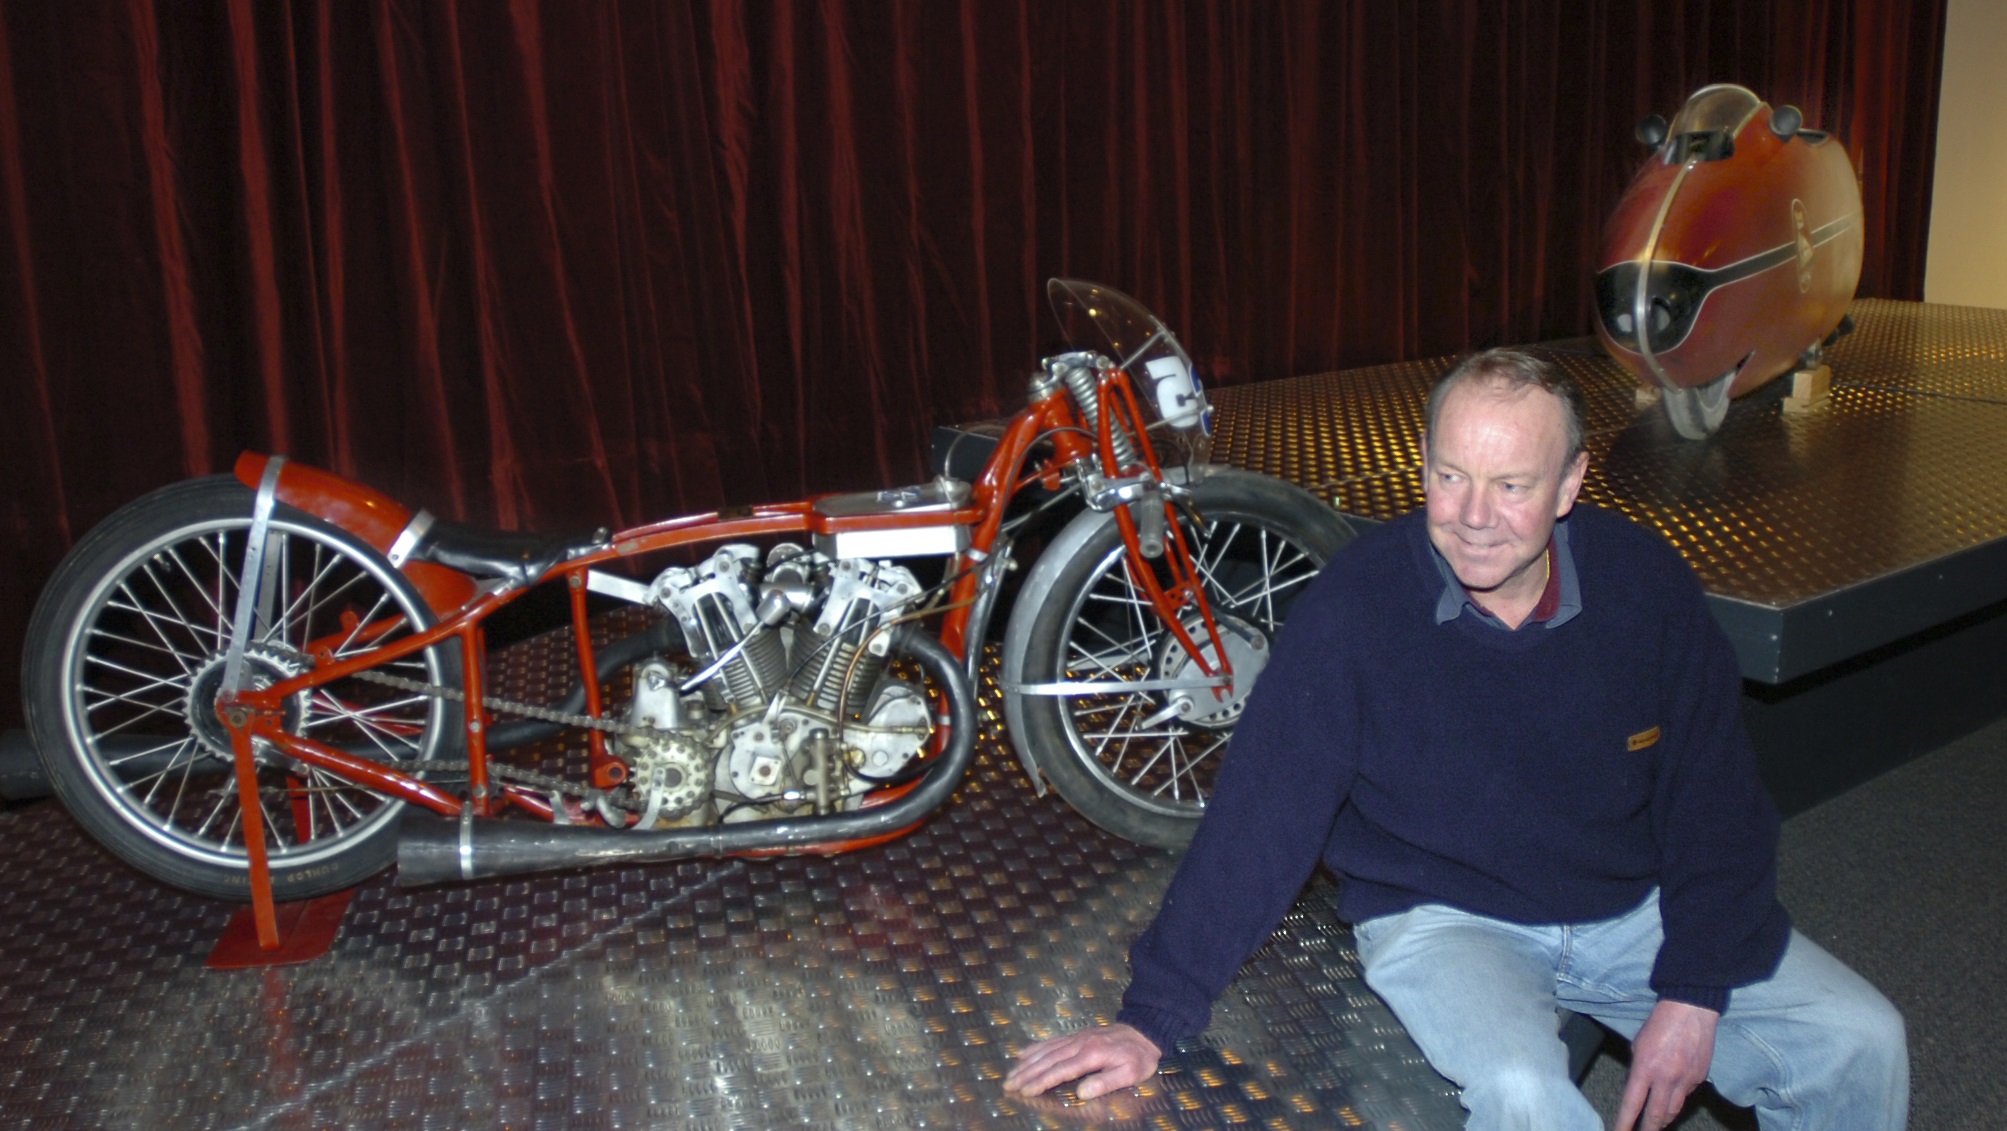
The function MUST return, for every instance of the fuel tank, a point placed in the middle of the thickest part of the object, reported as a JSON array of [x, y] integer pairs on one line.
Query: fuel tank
[[1736, 247]]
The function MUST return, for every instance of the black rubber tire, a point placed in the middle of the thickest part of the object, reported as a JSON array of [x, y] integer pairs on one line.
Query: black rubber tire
[[1152, 807], [1697, 413], [136, 619]]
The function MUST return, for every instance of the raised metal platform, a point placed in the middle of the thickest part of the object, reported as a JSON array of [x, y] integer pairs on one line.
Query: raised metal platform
[[1879, 514]]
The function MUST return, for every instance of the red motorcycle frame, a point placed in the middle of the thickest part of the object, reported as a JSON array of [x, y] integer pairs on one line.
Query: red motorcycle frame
[[175, 639]]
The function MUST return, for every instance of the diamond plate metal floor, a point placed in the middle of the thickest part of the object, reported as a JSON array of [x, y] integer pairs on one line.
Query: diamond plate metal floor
[[888, 988]]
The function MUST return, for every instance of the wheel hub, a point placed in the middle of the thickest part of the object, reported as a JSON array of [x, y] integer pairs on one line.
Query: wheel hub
[[264, 666], [1247, 652]]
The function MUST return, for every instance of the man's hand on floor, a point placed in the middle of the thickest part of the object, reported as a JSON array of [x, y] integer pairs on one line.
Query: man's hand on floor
[[1102, 1059]]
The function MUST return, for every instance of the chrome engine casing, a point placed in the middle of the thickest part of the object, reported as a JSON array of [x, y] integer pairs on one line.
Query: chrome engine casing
[[791, 710]]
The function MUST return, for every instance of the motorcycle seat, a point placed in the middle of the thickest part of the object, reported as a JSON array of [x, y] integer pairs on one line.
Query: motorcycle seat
[[517, 558]]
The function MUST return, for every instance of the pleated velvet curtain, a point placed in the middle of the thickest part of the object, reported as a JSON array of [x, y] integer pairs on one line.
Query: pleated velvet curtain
[[564, 264]]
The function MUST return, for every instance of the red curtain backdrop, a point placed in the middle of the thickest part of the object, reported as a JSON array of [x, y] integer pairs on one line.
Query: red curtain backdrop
[[577, 263]]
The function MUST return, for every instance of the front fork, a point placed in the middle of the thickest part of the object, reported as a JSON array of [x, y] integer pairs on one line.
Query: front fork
[[1159, 537], [1141, 500]]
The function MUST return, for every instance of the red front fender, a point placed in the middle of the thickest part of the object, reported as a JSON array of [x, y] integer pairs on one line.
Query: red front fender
[[365, 512]]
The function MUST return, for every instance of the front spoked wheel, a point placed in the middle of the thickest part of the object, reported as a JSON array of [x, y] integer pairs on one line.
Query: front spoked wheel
[[1101, 713], [125, 662]]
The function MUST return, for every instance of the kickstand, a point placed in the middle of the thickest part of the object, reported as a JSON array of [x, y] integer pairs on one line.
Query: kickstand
[[251, 813], [303, 931], [269, 933]]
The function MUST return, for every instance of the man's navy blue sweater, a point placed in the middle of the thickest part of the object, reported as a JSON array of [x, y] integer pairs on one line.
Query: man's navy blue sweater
[[1545, 775]]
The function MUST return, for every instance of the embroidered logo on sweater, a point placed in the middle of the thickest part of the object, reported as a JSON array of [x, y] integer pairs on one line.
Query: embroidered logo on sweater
[[1644, 738]]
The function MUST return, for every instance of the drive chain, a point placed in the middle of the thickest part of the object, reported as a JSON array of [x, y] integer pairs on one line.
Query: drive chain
[[541, 782], [510, 707]]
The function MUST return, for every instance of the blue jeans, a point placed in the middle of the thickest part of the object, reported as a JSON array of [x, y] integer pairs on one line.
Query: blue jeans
[[1815, 1047]]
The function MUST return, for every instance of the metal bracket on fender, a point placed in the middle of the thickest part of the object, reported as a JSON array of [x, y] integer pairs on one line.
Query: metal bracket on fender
[[252, 580], [1107, 494], [408, 538]]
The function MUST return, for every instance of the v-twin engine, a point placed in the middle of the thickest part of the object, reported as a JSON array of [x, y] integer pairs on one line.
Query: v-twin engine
[[790, 709]]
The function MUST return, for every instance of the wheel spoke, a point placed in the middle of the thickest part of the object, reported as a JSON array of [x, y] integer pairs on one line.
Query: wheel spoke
[[1135, 780], [1261, 590], [342, 710], [1145, 615], [181, 787], [133, 698], [223, 799], [1136, 646], [337, 790], [160, 778], [177, 762], [278, 845], [292, 613], [1114, 660], [150, 680], [361, 623], [178, 740], [322, 794], [219, 601], [1129, 598], [1114, 731], [188, 662], [173, 707], [368, 724], [1190, 771], [206, 639], [184, 661], [1213, 549]]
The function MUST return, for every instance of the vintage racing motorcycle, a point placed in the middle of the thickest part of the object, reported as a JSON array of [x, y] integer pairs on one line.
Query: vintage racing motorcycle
[[245, 684]]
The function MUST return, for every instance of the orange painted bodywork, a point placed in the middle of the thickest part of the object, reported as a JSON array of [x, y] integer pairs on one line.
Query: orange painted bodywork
[[1774, 230]]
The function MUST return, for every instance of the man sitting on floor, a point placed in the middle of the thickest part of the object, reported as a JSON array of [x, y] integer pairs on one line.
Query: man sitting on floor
[[1518, 741]]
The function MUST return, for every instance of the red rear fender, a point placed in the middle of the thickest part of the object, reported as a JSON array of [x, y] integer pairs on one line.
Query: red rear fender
[[363, 511]]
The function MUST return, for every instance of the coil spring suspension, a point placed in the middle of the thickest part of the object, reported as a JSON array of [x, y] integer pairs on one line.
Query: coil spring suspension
[[1082, 382]]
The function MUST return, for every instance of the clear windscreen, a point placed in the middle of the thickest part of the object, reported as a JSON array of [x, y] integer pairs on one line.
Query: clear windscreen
[[1104, 319], [1723, 106]]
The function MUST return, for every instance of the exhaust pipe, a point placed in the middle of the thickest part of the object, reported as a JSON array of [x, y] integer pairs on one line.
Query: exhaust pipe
[[433, 850], [21, 774]]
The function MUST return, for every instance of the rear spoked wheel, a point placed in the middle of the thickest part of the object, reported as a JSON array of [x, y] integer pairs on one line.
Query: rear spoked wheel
[[125, 660]]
